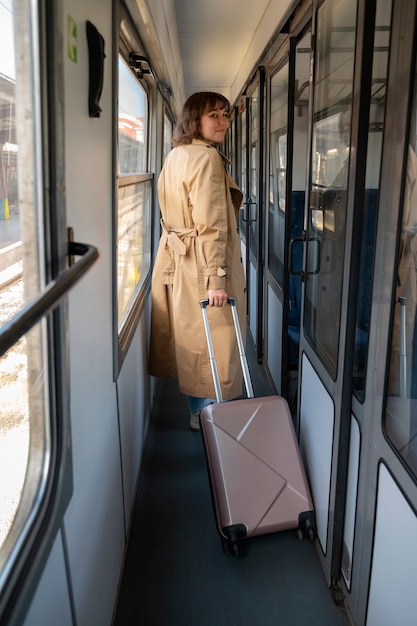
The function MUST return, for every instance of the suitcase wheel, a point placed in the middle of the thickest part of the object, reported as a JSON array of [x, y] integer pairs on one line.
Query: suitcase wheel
[[231, 536], [311, 533], [230, 548], [307, 526], [301, 533]]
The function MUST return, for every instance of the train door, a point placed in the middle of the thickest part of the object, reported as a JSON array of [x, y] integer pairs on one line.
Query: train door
[[379, 553], [288, 134], [342, 191], [250, 221], [37, 271]]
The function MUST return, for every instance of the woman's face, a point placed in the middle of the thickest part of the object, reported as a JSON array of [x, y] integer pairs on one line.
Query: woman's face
[[214, 124]]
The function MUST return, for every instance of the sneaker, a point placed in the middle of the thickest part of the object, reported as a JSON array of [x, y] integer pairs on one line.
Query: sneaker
[[194, 420]]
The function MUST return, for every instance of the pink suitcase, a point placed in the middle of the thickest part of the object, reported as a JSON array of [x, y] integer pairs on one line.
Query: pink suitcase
[[255, 468]]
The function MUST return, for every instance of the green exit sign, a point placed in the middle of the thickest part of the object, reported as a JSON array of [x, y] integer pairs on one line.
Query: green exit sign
[[72, 39]]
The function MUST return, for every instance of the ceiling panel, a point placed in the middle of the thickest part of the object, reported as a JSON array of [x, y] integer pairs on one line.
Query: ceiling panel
[[215, 38]]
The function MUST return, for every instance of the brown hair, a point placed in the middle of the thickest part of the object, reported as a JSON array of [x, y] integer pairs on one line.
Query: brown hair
[[187, 126]]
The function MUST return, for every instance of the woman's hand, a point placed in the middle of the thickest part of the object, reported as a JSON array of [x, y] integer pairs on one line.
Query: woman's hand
[[217, 297]]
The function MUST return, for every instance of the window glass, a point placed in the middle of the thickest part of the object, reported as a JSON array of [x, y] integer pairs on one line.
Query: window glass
[[243, 167], [401, 411], [134, 202], [25, 444], [254, 171], [230, 146], [167, 136], [134, 252], [370, 200], [298, 194], [133, 122], [334, 64], [14, 406], [278, 174]]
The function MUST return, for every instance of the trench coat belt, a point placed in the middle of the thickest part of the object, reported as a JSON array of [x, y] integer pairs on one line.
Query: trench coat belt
[[173, 238]]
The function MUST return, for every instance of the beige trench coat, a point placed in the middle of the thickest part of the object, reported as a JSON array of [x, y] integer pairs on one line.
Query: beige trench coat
[[199, 250]]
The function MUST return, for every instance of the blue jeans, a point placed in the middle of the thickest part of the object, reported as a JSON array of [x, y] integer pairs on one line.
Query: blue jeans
[[197, 404]]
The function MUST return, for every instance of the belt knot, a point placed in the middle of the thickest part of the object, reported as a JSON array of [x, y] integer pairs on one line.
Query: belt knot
[[174, 237]]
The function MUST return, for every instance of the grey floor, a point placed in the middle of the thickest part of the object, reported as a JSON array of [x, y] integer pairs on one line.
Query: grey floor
[[176, 573]]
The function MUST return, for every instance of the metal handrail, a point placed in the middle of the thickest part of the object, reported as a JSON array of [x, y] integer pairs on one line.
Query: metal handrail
[[37, 308]]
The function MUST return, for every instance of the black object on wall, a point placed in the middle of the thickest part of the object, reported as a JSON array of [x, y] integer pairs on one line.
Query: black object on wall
[[96, 58]]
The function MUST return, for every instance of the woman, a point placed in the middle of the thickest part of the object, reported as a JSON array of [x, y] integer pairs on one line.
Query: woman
[[198, 258]]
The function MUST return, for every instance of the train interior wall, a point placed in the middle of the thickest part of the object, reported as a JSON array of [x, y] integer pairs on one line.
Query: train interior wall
[[109, 419]]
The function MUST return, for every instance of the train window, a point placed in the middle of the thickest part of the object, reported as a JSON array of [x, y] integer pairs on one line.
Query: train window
[[236, 156], [134, 201], [132, 121], [133, 228], [370, 200], [401, 408], [167, 140], [278, 173], [243, 178], [15, 422], [254, 170], [35, 450], [230, 143], [22, 422], [334, 65]]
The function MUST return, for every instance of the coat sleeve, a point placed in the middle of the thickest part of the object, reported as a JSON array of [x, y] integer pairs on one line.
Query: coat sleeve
[[207, 194]]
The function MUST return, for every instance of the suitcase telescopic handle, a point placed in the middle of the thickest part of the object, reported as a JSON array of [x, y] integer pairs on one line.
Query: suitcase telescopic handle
[[242, 355]]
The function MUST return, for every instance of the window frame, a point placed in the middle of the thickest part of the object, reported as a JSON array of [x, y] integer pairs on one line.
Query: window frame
[[127, 41]]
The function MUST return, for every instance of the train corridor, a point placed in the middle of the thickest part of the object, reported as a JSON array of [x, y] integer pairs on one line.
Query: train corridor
[[176, 573]]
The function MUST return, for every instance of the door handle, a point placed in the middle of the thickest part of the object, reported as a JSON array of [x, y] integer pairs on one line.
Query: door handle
[[246, 213], [300, 272], [293, 241]]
